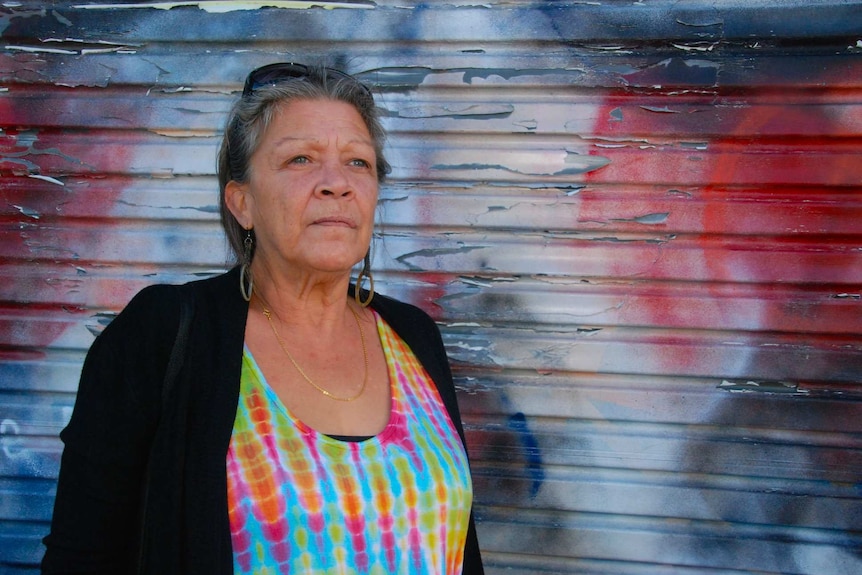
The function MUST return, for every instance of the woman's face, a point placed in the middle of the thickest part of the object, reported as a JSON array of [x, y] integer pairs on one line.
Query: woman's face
[[312, 189]]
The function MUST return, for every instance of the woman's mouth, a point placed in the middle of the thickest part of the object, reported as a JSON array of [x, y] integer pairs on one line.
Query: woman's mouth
[[335, 221]]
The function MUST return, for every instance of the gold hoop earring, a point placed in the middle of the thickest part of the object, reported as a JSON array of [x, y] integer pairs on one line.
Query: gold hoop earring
[[365, 273], [246, 286]]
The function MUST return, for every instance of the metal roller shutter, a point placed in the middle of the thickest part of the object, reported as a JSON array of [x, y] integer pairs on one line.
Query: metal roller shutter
[[637, 224]]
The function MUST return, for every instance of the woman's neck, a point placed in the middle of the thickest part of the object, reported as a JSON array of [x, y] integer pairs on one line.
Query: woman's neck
[[309, 299]]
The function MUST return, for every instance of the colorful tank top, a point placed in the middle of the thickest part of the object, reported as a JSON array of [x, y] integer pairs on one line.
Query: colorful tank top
[[302, 502]]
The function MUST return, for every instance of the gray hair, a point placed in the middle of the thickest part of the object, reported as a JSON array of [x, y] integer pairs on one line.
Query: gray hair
[[251, 115]]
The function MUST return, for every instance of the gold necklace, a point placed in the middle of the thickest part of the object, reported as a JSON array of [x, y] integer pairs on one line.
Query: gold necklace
[[327, 393]]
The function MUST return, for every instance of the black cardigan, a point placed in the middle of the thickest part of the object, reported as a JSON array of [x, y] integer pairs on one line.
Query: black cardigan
[[107, 517]]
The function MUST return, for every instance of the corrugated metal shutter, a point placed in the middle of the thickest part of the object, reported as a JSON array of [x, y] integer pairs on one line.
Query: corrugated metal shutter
[[638, 225]]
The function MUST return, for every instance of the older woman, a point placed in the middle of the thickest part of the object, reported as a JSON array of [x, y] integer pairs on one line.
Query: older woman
[[273, 419]]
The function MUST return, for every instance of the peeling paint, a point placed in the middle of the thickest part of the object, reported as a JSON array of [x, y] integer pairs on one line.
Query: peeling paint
[[99, 321], [30, 213], [679, 193], [650, 219], [575, 164], [220, 7], [465, 346], [36, 49], [697, 46], [186, 133], [693, 63], [433, 254], [211, 209], [624, 141], [482, 281], [750, 386], [471, 111], [93, 47], [60, 18], [706, 24], [48, 179], [660, 110], [700, 146], [510, 73], [611, 48]]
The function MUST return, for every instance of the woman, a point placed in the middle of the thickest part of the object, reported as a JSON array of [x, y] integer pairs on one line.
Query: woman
[[272, 419]]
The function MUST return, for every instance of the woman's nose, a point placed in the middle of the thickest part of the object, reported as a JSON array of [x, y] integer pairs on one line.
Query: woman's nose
[[333, 180]]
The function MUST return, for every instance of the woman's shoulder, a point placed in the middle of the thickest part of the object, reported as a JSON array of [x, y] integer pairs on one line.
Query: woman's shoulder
[[412, 324], [393, 310], [156, 308], [147, 317], [163, 299]]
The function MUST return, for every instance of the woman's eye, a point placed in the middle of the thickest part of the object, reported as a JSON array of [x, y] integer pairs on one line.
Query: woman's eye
[[299, 160], [360, 163]]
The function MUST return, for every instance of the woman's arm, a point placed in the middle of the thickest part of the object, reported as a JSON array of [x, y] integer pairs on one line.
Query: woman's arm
[[96, 522]]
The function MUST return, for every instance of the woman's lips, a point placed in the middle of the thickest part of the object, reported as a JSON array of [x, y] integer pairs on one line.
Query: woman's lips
[[335, 221]]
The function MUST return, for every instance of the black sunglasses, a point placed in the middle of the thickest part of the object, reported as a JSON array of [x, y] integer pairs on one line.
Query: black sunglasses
[[274, 73]]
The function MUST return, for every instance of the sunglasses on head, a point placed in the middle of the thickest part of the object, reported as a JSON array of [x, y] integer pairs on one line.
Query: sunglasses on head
[[272, 74]]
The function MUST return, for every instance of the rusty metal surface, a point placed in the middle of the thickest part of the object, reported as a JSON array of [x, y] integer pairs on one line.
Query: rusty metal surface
[[639, 226]]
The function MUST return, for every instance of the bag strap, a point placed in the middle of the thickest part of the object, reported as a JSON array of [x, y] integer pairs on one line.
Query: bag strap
[[178, 352], [175, 363]]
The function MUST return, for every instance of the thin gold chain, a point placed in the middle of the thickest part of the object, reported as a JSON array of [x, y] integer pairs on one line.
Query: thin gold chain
[[268, 314]]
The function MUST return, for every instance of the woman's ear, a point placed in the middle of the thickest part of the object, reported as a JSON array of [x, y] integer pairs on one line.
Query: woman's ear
[[237, 198]]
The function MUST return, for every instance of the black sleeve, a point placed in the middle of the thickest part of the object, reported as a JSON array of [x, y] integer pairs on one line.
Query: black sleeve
[[95, 526], [472, 555]]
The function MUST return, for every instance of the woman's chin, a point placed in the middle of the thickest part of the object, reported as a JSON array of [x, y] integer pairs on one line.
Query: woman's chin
[[335, 263]]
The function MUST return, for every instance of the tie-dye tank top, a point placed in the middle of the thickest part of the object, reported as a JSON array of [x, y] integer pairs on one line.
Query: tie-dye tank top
[[301, 502]]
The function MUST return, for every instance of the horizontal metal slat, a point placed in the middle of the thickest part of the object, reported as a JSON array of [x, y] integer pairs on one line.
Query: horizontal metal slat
[[388, 19], [622, 119], [624, 539]]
